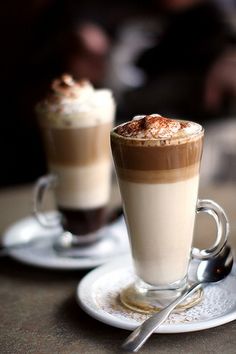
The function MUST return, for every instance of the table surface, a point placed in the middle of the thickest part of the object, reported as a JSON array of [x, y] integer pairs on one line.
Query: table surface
[[39, 313]]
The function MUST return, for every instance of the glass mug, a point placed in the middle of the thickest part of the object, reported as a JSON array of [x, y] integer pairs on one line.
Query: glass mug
[[80, 165], [75, 120], [159, 189]]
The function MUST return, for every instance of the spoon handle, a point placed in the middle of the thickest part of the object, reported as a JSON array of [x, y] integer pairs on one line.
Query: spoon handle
[[35, 241], [5, 250], [140, 335]]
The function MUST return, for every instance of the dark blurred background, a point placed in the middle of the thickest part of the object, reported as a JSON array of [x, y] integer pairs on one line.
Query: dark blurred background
[[173, 57]]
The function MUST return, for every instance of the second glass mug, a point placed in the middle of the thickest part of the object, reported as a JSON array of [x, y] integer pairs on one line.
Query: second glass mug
[[80, 168], [75, 120], [160, 201]]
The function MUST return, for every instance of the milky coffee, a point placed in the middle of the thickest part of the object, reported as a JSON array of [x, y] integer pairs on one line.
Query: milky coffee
[[75, 120], [157, 162]]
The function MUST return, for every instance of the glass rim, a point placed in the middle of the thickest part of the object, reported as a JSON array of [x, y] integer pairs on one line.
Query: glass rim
[[182, 139]]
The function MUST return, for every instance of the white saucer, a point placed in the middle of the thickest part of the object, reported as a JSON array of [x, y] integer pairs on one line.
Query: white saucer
[[98, 294], [42, 254]]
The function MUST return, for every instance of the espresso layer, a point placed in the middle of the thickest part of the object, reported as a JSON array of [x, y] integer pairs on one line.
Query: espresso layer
[[131, 155], [78, 147], [158, 176]]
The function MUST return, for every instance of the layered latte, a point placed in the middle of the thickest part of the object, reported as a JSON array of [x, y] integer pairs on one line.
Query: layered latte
[[76, 120], [157, 162]]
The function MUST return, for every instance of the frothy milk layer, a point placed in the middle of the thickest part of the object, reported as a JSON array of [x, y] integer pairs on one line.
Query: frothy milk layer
[[160, 220], [83, 187], [73, 104], [164, 131]]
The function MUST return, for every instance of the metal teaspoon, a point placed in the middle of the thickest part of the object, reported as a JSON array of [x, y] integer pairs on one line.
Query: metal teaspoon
[[208, 271]]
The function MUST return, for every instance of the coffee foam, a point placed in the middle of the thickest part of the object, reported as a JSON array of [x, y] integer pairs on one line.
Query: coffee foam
[[164, 131], [75, 104]]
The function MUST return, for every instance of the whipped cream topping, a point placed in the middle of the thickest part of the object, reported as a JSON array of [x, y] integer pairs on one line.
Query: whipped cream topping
[[73, 103], [156, 127]]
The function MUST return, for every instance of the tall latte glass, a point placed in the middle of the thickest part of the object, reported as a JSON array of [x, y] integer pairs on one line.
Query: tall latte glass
[[157, 162], [75, 121]]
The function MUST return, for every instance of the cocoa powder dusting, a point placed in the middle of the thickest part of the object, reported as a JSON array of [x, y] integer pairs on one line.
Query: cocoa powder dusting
[[151, 127], [65, 86]]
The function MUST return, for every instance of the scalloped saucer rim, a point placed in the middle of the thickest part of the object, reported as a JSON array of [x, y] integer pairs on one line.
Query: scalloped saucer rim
[[101, 303]]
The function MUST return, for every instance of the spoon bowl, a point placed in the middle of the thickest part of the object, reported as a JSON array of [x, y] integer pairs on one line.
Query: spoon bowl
[[209, 271], [216, 268]]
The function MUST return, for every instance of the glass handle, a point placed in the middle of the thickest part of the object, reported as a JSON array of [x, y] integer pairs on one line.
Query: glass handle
[[212, 208], [43, 184]]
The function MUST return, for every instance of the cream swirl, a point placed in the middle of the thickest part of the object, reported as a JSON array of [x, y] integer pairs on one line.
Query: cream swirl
[[156, 127], [73, 103]]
